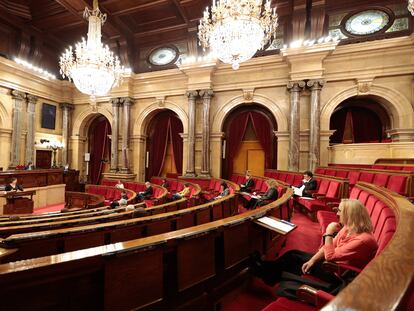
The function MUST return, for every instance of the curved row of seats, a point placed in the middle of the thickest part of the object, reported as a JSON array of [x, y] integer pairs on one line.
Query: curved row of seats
[[162, 271], [110, 193], [382, 166], [397, 181], [55, 241], [81, 200], [176, 185], [385, 283]]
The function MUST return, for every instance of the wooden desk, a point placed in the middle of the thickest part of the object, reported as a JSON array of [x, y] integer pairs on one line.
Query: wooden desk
[[17, 202]]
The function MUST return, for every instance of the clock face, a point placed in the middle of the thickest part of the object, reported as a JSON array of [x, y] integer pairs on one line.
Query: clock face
[[162, 56], [367, 22]]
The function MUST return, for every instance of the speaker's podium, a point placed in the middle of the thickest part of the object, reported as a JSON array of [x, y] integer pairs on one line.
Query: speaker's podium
[[18, 202]]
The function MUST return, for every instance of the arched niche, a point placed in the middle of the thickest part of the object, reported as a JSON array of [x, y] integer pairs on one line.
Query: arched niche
[[359, 119], [83, 120], [257, 99], [164, 144], [142, 121], [397, 105], [247, 145]]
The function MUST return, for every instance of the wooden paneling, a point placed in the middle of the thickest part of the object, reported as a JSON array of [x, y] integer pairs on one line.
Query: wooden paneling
[[251, 157]]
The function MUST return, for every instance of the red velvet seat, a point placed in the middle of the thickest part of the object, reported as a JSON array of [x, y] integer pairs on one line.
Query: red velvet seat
[[353, 177], [330, 172], [285, 304], [320, 170], [366, 177], [397, 183], [282, 176], [380, 179], [342, 174], [290, 178], [258, 185], [325, 218]]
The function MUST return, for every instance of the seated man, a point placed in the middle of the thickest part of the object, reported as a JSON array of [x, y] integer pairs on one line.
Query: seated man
[[145, 195], [353, 245], [307, 186], [121, 202], [179, 195], [248, 184], [13, 186], [260, 200]]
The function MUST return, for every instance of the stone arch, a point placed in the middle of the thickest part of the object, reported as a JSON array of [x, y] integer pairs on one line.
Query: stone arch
[[396, 104], [82, 121], [224, 110], [142, 121]]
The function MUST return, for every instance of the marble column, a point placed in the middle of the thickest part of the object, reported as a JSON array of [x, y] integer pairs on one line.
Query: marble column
[[294, 87], [115, 134], [66, 121], [205, 165], [126, 116], [18, 99], [315, 123], [31, 109], [191, 95]]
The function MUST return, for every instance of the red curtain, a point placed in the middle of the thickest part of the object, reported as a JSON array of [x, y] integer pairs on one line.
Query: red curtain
[[176, 128], [264, 134], [234, 140], [158, 148], [99, 148]]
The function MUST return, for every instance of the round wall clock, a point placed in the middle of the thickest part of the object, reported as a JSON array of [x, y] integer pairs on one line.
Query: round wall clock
[[163, 56], [367, 22]]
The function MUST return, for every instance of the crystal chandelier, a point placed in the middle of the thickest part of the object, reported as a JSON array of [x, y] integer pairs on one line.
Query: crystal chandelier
[[411, 6], [93, 67], [236, 29]]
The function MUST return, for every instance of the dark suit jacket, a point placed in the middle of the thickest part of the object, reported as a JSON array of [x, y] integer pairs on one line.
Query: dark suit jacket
[[247, 185], [10, 188], [148, 192], [271, 194], [309, 186]]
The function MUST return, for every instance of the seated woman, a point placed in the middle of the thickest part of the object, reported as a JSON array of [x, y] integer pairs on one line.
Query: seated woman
[[353, 245], [225, 191], [179, 195], [13, 186], [119, 185]]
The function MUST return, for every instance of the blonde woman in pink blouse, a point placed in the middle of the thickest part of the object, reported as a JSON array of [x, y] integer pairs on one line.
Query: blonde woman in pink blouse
[[349, 242]]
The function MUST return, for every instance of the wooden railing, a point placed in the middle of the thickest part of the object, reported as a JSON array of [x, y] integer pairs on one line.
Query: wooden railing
[[83, 200]]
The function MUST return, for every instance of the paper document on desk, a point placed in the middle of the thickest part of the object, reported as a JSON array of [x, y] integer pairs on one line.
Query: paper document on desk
[[277, 224], [298, 191]]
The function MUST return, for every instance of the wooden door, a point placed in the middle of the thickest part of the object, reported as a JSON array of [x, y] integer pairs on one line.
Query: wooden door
[[251, 156], [43, 158]]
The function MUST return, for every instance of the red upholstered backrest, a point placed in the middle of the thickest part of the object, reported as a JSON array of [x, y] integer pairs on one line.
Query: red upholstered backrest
[[380, 179], [180, 186], [330, 172], [355, 192], [258, 184], [371, 202], [173, 186], [217, 186], [333, 189], [241, 179], [353, 177], [231, 190], [282, 176], [385, 228], [320, 170], [363, 197], [234, 178], [264, 187], [290, 178], [397, 183], [342, 174], [408, 168], [366, 177], [323, 186], [211, 184], [297, 180]]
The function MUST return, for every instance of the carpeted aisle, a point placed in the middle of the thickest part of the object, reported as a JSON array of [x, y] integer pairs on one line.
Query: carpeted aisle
[[257, 295], [49, 208]]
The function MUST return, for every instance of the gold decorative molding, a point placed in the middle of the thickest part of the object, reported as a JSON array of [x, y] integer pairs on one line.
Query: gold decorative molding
[[248, 95], [364, 85]]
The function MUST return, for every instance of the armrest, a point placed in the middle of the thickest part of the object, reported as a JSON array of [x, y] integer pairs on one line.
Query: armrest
[[338, 268], [313, 296]]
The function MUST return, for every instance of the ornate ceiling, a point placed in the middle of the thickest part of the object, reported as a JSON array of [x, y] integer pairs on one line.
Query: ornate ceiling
[[40, 30]]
